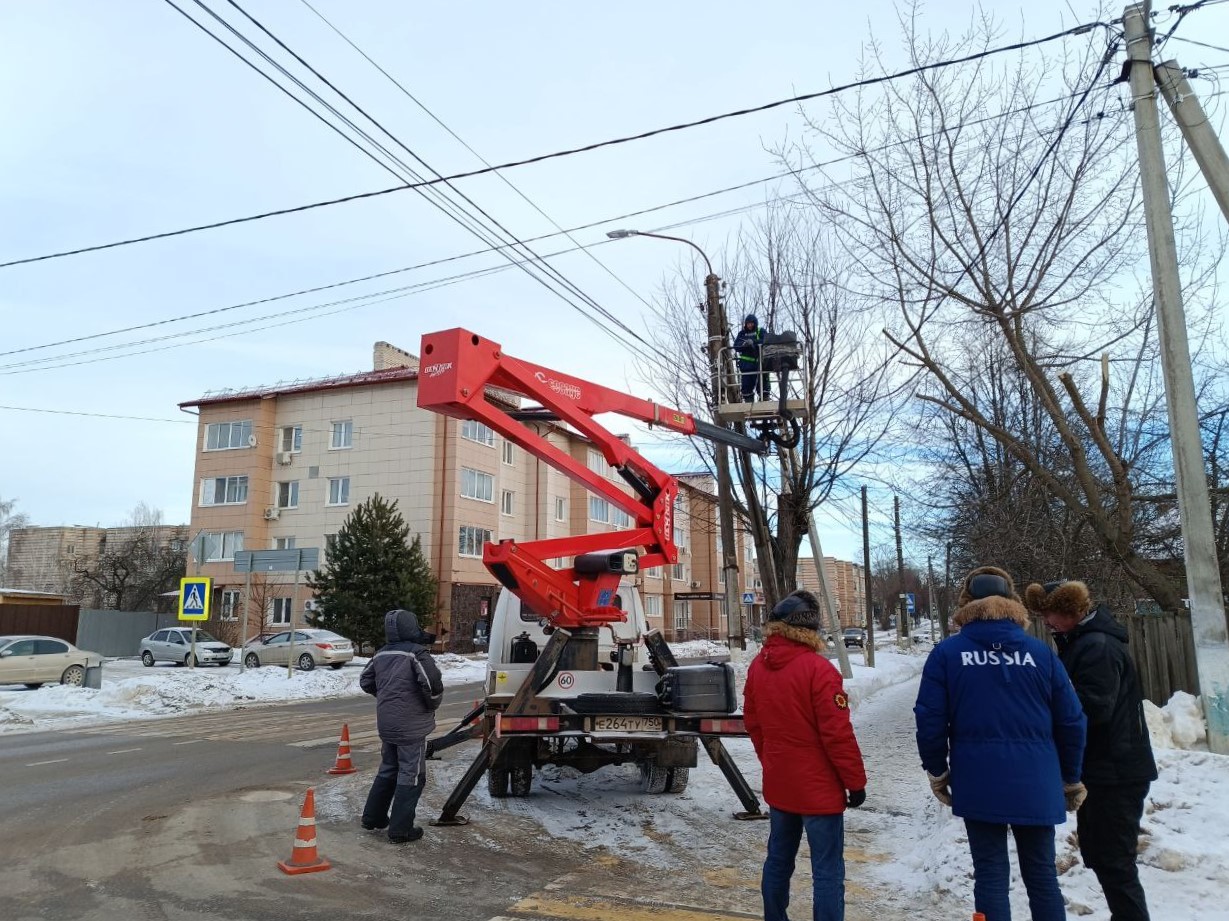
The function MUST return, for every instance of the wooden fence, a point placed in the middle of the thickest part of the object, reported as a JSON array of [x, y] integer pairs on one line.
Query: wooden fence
[[58, 620]]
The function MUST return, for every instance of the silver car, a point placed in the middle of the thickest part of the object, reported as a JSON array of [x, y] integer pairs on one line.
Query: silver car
[[175, 645], [38, 660], [311, 648]]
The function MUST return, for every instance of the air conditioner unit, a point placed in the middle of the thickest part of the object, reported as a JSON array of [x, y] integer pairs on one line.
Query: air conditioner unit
[[285, 458], [694, 584], [271, 514], [311, 604], [251, 441]]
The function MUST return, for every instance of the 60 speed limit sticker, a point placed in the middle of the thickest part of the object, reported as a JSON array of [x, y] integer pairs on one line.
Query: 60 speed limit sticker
[[566, 680]]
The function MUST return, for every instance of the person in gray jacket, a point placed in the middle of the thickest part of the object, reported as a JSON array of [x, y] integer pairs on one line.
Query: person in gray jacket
[[408, 690]]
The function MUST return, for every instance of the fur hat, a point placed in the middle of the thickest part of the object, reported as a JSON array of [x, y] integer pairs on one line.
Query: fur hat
[[1068, 598], [988, 593], [797, 609]]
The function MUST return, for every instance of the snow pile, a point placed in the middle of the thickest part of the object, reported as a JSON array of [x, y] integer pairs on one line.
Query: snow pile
[[130, 694], [699, 649], [1179, 724], [890, 668]]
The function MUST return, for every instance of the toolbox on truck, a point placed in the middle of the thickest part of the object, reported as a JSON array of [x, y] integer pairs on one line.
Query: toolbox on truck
[[699, 688]]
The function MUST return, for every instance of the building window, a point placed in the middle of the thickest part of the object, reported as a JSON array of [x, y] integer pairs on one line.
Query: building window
[[226, 436], [598, 464], [599, 509], [720, 572], [678, 572], [176, 545], [506, 502], [330, 543], [680, 536], [224, 490], [339, 490], [472, 430], [283, 543], [653, 572], [477, 485], [222, 545], [652, 606], [292, 439], [231, 604], [343, 435], [471, 540], [72, 549], [681, 616], [509, 453], [561, 508], [281, 610], [288, 494]]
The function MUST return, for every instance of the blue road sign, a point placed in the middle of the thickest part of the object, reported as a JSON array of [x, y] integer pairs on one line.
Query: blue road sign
[[910, 608], [194, 595], [748, 597]]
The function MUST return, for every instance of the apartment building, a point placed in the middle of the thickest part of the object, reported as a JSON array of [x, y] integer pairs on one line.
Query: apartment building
[[848, 581], [281, 467]]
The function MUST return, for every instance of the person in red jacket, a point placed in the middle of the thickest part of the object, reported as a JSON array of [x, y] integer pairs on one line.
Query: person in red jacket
[[797, 714]]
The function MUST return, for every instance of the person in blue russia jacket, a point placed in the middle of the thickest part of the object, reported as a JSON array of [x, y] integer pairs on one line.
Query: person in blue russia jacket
[[1001, 733]]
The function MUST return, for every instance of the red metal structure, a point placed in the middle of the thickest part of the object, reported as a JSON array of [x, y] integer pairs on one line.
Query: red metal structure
[[457, 368]]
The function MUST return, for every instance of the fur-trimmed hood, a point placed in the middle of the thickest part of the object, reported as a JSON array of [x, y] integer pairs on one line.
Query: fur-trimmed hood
[[992, 608], [966, 596], [1067, 598], [801, 635]]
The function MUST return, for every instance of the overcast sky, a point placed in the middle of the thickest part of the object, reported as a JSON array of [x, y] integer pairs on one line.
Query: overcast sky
[[120, 118]]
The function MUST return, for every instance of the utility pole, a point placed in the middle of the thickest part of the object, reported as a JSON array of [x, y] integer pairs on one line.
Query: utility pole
[[869, 653], [1197, 130], [1194, 506], [902, 614], [930, 594], [946, 608]]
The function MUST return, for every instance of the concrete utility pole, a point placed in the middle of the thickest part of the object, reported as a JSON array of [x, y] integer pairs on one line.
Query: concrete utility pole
[[1197, 130], [869, 654], [1194, 506], [902, 613]]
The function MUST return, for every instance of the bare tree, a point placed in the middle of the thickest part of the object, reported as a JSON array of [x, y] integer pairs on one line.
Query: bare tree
[[996, 209], [788, 273], [9, 520], [135, 565]]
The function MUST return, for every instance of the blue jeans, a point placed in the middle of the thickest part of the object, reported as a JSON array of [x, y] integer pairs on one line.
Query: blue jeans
[[992, 870], [826, 838]]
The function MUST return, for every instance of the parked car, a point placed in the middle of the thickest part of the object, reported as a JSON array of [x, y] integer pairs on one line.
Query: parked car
[[38, 660], [311, 648], [854, 636], [175, 645]]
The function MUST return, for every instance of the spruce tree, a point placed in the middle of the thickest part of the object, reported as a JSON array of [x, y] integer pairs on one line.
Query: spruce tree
[[372, 568]]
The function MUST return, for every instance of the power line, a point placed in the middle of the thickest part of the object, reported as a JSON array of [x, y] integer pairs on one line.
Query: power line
[[1191, 41], [71, 412], [592, 224], [872, 81]]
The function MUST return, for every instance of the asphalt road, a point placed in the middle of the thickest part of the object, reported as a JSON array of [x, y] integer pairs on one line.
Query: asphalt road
[[186, 817]]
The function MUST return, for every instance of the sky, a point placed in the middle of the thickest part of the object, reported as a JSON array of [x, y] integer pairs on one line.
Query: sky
[[123, 119]]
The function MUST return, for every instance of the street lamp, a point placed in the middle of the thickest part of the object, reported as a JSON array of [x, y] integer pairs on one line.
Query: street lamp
[[725, 490]]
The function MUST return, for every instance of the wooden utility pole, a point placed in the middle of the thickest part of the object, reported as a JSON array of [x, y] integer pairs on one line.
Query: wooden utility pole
[[869, 653], [1194, 505], [902, 614], [946, 608]]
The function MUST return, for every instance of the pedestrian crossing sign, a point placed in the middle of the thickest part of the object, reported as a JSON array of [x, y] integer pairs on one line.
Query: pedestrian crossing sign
[[194, 595]]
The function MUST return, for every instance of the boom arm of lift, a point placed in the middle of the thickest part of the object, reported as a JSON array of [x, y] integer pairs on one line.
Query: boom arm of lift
[[457, 373]]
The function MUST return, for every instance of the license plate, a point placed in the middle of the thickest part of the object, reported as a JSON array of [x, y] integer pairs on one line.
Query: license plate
[[627, 723]]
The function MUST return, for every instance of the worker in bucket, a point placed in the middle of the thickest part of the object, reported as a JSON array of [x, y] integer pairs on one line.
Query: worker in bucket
[[748, 344], [406, 684], [797, 714]]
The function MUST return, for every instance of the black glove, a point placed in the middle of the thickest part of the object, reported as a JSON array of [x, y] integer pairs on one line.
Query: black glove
[[856, 798]]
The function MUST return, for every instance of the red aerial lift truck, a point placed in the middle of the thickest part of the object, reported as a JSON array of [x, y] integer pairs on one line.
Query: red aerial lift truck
[[538, 723]]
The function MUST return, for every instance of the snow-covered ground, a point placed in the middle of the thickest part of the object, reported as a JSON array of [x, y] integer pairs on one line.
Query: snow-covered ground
[[131, 691]]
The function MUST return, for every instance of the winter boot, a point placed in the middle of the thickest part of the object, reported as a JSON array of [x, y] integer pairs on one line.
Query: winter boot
[[401, 827], [375, 813]]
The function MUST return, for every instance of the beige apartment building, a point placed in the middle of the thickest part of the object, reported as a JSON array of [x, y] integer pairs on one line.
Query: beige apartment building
[[848, 581], [281, 468]]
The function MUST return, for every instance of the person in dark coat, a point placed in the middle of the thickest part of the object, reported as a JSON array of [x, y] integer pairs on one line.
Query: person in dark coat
[[748, 343], [797, 714], [408, 690], [1118, 762], [1001, 736]]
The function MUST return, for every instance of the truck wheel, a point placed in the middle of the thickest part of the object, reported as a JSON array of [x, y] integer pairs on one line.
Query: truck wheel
[[521, 779], [653, 778], [678, 780], [627, 703], [497, 782]]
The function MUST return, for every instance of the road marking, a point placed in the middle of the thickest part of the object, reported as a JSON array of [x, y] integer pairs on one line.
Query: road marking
[[581, 908], [189, 742], [53, 761], [124, 751]]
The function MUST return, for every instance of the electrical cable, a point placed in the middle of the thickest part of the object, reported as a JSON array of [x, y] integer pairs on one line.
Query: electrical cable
[[872, 81]]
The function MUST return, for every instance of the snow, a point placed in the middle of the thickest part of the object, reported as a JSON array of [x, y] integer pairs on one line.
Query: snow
[[131, 691], [1179, 724]]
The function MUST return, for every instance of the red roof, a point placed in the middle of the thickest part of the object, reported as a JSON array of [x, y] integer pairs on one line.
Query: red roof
[[363, 378]]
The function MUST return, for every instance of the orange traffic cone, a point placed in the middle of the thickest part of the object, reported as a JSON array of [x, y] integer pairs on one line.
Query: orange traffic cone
[[978, 916], [344, 765], [304, 858]]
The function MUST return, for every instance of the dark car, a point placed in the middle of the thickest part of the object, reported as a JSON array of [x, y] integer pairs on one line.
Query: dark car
[[854, 636]]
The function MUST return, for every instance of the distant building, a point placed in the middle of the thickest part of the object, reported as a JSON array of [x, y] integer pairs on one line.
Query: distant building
[[848, 582], [281, 467]]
